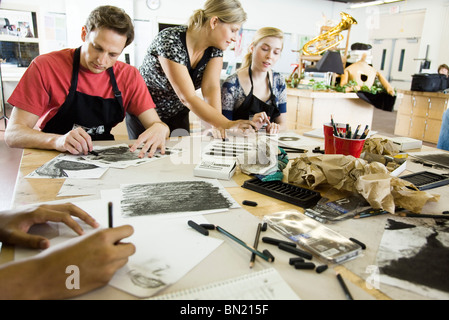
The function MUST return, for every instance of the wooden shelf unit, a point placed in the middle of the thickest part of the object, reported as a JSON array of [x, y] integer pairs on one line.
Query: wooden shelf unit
[[420, 115]]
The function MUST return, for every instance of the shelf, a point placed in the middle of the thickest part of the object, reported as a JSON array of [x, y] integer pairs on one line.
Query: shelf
[[5, 37]]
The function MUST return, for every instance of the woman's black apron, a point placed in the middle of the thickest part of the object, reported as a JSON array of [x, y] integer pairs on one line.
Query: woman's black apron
[[94, 114], [252, 105]]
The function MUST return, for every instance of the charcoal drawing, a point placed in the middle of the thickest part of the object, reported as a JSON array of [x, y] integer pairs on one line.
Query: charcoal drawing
[[170, 197], [419, 258], [57, 168], [115, 154], [145, 281]]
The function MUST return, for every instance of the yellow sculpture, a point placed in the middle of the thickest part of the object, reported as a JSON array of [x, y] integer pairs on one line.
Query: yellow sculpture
[[329, 39]]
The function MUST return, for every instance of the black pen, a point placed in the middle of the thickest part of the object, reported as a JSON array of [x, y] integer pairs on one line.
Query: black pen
[[110, 219], [344, 287]]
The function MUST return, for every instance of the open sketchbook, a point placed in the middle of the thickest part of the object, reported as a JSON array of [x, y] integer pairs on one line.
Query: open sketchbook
[[262, 285]]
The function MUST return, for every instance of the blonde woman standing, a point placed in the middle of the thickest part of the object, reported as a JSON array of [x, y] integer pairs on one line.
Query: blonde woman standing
[[182, 59], [255, 91]]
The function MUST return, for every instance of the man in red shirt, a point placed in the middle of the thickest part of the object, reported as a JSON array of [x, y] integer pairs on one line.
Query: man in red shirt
[[75, 96]]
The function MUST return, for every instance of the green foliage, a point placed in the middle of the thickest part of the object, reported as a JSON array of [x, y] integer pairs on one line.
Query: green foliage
[[375, 88]]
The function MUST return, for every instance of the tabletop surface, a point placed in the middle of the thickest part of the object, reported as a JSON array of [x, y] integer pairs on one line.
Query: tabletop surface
[[228, 260]]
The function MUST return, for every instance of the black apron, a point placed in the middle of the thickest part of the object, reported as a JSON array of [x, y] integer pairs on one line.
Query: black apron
[[94, 114], [252, 105]]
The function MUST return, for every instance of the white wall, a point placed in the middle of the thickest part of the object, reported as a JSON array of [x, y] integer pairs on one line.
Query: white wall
[[298, 17], [434, 28]]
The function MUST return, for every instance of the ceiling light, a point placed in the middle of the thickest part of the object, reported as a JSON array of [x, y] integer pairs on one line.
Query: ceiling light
[[372, 3]]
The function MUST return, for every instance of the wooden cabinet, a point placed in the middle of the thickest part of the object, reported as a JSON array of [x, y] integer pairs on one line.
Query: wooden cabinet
[[292, 113], [420, 115], [311, 109]]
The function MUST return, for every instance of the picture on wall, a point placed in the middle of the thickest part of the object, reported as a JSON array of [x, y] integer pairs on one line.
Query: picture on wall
[[18, 23]]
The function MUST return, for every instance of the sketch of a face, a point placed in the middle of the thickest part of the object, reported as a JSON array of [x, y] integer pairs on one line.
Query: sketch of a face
[[144, 281], [149, 275]]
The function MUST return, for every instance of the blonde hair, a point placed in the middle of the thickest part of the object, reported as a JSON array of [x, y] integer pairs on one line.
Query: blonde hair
[[261, 34], [227, 11]]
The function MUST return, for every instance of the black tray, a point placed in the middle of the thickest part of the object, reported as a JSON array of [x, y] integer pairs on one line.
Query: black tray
[[290, 193], [424, 180]]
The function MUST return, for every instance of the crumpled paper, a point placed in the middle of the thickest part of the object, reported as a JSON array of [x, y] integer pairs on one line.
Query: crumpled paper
[[371, 180], [261, 160], [380, 146]]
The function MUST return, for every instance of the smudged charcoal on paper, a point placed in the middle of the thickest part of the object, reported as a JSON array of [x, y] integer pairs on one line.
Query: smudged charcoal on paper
[[115, 154], [420, 256], [168, 197], [57, 168]]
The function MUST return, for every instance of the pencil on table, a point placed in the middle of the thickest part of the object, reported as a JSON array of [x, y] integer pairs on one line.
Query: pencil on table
[[256, 243], [231, 236], [110, 217]]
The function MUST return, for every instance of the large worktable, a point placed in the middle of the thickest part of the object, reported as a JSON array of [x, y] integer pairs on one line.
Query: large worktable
[[229, 260]]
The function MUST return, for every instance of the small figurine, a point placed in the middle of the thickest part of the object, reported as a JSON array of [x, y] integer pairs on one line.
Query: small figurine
[[365, 75]]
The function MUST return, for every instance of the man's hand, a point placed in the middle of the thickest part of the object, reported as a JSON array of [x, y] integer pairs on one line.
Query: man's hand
[[152, 139], [76, 141]]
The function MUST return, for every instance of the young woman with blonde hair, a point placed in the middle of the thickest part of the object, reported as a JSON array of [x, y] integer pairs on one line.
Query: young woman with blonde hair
[[182, 59], [255, 91]]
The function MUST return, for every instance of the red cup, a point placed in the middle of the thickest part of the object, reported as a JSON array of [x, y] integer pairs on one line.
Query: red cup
[[329, 136], [348, 147]]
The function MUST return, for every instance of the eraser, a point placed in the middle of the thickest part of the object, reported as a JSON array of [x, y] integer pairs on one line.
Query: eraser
[[321, 268], [198, 228], [292, 261], [249, 203], [305, 265]]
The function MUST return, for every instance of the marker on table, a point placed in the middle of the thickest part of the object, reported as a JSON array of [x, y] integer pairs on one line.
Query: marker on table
[[344, 287], [110, 215]]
